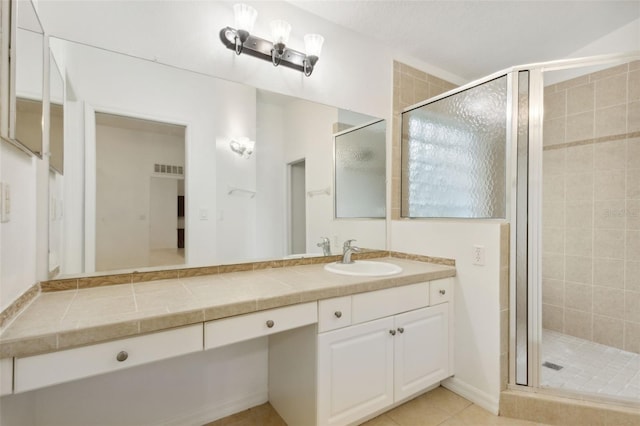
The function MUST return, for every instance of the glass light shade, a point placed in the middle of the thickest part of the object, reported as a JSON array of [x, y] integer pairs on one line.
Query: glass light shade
[[280, 31], [245, 16], [313, 44]]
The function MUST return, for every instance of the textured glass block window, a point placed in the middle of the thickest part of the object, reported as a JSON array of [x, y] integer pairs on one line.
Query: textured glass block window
[[360, 172], [454, 155]]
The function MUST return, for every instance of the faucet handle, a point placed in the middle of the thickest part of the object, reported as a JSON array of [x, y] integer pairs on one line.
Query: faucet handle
[[347, 244], [325, 240]]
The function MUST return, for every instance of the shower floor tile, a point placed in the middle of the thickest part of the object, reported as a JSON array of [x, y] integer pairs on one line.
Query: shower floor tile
[[589, 367]]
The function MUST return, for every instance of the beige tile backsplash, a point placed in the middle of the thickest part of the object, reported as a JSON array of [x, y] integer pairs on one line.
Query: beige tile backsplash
[[591, 213]]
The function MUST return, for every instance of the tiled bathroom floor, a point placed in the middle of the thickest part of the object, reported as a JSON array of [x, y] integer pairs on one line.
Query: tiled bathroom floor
[[437, 407], [590, 367]]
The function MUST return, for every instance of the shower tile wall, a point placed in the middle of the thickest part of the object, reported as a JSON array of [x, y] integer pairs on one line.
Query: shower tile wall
[[591, 207]]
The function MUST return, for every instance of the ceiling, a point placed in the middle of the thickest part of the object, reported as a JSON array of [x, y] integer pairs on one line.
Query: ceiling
[[475, 38], [467, 39]]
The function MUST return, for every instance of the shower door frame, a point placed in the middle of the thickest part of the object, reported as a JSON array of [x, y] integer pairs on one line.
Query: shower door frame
[[534, 221]]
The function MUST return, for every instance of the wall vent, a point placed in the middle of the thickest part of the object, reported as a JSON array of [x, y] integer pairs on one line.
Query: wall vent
[[168, 169]]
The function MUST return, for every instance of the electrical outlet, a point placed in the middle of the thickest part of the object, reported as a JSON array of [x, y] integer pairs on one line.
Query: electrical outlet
[[478, 255]]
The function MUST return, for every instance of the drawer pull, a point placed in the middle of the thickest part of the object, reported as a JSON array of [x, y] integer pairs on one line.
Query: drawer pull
[[392, 332], [270, 323], [401, 330], [122, 356], [338, 314], [443, 291]]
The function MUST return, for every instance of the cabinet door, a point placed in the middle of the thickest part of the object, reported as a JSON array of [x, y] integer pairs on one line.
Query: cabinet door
[[421, 349], [355, 371]]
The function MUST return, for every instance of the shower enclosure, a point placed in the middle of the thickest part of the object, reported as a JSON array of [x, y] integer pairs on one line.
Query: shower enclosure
[[571, 190], [590, 229], [577, 229]]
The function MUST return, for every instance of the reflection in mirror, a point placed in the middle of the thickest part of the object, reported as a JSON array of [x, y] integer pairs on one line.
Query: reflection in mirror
[[56, 181], [238, 145], [27, 81], [139, 180], [56, 117], [360, 172]]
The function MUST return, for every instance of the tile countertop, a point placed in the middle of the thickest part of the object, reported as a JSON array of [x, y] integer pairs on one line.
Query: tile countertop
[[65, 319]]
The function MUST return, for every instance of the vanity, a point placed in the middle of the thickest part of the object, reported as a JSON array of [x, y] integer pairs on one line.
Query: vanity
[[341, 348]]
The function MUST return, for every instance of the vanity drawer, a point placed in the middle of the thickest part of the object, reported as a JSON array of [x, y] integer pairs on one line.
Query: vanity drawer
[[391, 301], [38, 371], [244, 327], [440, 291], [334, 313]]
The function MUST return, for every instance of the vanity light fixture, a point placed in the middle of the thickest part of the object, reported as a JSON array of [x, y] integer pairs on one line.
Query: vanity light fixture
[[245, 17], [241, 40], [242, 146]]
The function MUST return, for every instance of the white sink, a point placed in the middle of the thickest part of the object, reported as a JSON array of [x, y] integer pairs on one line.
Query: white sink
[[365, 268]]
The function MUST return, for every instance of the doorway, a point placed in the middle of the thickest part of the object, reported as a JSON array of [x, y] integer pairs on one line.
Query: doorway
[[140, 169], [297, 208]]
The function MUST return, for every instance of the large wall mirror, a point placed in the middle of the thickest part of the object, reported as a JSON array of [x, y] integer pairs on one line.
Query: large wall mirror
[[24, 123], [186, 169]]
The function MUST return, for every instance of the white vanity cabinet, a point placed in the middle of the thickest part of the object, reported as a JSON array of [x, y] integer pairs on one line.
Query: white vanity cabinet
[[421, 350], [366, 367], [355, 371]]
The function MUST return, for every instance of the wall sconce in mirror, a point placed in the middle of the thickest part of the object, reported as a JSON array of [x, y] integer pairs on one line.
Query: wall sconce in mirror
[[242, 146], [241, 40]]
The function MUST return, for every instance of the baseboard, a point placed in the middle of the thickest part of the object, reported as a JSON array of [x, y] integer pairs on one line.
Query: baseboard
[[475, 395], [219, 410]]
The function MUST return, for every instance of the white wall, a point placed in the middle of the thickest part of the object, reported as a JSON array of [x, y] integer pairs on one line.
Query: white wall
[[270, 180], [73, 193], [56, 216], [163, 213], [18, 263], [18, 266], [298, 212], [477, 310]]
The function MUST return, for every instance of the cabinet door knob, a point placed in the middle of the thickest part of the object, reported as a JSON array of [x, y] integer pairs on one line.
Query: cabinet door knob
[[443, 291], [270, 323], [338, 314], [392, 332], [122, 356], [401, 330]]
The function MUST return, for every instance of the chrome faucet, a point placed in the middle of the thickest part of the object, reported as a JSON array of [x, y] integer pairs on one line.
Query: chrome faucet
[[348, 250], [326, 246]]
